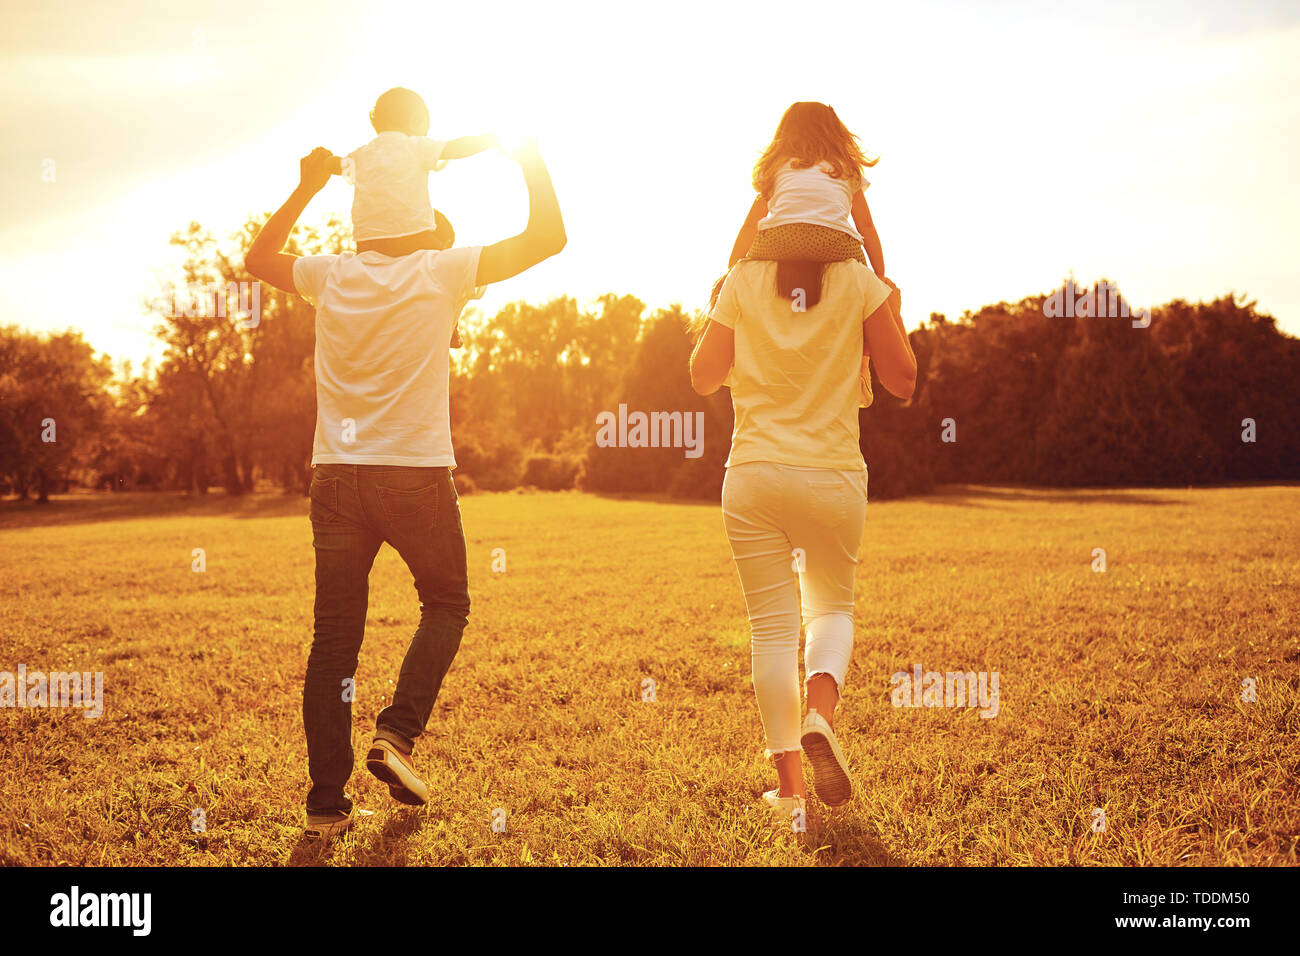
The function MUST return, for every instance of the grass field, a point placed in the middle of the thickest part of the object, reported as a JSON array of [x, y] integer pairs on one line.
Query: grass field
[[1119, 691]]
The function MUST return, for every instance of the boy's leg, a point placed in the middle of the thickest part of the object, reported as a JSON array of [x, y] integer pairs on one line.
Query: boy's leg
[[345, 550], [420, 517], [444, 236]]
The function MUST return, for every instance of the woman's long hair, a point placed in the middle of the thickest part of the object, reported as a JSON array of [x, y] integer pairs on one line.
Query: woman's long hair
[[808, 134], [695, 326], [792, 277]]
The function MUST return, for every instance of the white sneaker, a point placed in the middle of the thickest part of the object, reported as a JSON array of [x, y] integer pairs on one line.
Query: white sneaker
[[784, 809], [396, 769], [831, 780], [325, 824]]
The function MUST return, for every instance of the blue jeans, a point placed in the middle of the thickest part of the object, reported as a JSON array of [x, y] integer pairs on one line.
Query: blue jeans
[[355, 509]]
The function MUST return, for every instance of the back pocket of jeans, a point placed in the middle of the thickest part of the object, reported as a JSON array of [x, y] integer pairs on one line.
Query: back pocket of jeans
[[405, 505], [324, 499]]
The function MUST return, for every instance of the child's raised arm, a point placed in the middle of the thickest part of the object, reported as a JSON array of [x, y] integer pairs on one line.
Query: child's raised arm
[[466, 146], [748, 231], [867, 229]]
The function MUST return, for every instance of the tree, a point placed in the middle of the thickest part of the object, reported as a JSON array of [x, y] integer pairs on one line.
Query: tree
[[1230, 364], [52, 404], [658, 382], [243, 383]]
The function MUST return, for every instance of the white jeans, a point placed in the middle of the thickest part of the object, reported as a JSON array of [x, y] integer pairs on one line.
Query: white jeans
[[795, 534]]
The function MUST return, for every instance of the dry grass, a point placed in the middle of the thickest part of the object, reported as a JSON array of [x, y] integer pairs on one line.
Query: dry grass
[[1118, 690]]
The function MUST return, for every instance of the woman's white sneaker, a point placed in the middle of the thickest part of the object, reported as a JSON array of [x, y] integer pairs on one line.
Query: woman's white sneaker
[[784, 808], [831, 780]]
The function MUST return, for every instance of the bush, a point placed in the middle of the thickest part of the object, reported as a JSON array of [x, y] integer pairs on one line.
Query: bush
[[464, 483], [489, 453], [552, 472]]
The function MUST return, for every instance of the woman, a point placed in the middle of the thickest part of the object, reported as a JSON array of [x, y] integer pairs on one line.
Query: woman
[[788, 338]]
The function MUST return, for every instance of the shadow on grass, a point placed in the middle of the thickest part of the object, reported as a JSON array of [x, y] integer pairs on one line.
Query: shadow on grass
[[94, 507], [388, 846], [312, 851], [91, 507], [971, 496], [655, 498], [385, 848], [842, 838]]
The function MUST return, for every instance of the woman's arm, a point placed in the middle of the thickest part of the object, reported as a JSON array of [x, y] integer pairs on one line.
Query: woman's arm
[[867, 229], [891, 350], [748, 231], [712, 359]]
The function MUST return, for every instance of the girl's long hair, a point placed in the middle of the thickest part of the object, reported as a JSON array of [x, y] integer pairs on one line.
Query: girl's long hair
[[808, 134]]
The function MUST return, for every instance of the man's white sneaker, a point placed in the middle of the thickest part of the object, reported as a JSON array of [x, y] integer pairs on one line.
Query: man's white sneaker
[[395, 769], [324, 824]]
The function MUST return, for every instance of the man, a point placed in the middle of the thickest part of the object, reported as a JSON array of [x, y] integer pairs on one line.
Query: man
[[382, 461]]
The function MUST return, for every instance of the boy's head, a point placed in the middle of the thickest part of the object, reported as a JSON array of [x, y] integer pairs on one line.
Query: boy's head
[[400, 110]]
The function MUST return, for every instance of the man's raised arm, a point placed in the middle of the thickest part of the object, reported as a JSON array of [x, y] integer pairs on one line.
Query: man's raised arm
[[542, 238], [265, 260]]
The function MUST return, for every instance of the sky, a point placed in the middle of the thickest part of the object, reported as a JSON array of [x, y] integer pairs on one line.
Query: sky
[[1153, 144]]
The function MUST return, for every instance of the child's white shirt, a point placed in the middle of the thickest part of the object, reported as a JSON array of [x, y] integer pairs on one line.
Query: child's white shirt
[[391, 176], [811, 195]]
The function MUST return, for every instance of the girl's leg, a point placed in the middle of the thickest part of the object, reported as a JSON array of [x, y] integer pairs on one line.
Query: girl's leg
[[751, 496]]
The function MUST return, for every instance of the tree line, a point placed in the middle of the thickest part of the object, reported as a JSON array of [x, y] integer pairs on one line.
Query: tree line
[[1014, 393]]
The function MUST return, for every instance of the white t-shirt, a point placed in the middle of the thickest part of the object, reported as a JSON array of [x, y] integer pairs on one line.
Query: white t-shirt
[[383, 328], [795, 383], [391, 176], [811, 195]]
